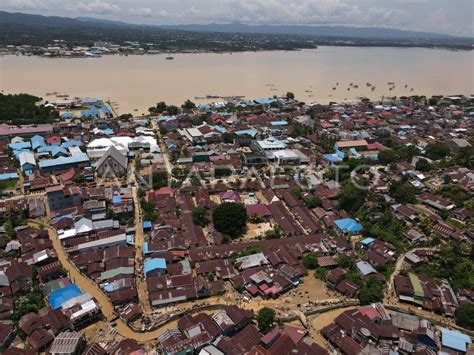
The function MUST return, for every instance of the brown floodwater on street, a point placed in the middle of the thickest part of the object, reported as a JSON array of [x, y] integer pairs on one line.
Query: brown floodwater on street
[[138, 82]]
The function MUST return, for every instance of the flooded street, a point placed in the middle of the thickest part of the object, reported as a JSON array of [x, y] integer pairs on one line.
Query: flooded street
[[320, 75]]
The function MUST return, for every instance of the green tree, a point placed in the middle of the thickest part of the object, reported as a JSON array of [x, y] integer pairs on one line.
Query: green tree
[[312, 201], [465, 316], [188, 105], [266, 319], [289, 95], [320, 273], [423, 165], [296, 192], [172, 110], [79, 178], [436, 151], [230, 218], [160, 179], [372, 292], [161, 107], [199, 216], [310, 261], [403, 192], [350, 197]]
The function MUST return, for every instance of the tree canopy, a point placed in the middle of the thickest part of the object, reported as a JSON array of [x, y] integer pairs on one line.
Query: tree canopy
[[436, 151], [22, 109], [188, 105], [199, 216], [230, 218], [465, 316], [266, 319]]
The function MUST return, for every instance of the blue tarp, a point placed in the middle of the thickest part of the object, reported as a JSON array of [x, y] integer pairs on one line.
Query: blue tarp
[[147, 224], [58, 297], [278, 123], [116, 199]]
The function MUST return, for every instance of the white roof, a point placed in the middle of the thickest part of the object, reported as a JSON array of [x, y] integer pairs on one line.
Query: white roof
[[68, 233], [26, 158], [194, 132], [286, 153], [84, 225]]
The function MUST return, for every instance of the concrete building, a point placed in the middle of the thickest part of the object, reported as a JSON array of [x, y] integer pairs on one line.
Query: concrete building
[[113, 163], [60, 197]]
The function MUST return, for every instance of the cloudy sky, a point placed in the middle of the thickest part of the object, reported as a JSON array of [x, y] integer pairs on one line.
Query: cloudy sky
[[441, 16]]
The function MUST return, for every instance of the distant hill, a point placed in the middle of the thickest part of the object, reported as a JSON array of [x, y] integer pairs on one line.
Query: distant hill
[[320, 31], [37, 30]]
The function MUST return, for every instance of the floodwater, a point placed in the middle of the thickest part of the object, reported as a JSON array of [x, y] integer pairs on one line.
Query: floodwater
[[138, 82]]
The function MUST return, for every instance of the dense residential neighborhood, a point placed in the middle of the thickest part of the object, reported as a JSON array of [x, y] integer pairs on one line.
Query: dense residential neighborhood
[[262, 226]]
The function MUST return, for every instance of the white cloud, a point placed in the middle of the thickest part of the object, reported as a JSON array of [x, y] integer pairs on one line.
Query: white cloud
[[147, 12], [98, 7], [428, 15]]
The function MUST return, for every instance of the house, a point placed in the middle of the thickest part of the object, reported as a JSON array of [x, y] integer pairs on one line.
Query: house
[[437, 202], [154, 267], [27, 162], [60, 197], [68, 343], [348, 226], [404, 212], [6, 334], [64, 163], [455, 340], [415, 236], [365, 268], [112, 164], [36, 207]]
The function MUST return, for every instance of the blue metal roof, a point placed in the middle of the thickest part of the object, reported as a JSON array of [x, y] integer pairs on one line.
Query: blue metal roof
[[166, 118], [37, 141], [264, 101], [365, 268], [454, 339], [153, 264], [20, 145], [348, 225], [58, 297], [75, 159], [332, 158], [9, 176], [367, 241], [146, 224], [69, 144], [220, 129], [248, 132], [67, 115]]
